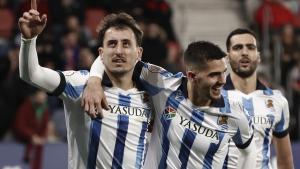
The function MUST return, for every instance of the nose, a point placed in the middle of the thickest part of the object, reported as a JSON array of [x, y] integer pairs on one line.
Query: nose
[[245, 50], [119, 49], [222, 78]]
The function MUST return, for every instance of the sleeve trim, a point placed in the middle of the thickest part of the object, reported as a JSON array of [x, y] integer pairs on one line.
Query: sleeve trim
[[61, 87], [281, 134], [243, 146]]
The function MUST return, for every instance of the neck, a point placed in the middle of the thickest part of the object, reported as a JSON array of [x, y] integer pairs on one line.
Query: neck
[[196, 98], [122, 81], [245, 85]]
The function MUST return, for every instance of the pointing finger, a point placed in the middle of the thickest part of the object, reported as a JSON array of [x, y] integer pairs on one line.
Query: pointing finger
[[33, 4]]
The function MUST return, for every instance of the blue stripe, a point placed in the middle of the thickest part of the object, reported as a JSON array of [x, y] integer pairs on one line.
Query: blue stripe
[[151, 89], [94, 143], [124, 100], [213, 148], [141, 147], [84, 72], [279, 127], [197, 117], [225, 165], [237, 138], [166, 125], [187, 142], [123, 121], [73, 91], [265, 151], [268, 92], [248, 105], [225, 109]]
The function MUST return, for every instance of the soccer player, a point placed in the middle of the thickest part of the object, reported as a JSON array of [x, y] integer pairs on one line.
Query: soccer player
[[268, 108], [194, 122], [118, 140]]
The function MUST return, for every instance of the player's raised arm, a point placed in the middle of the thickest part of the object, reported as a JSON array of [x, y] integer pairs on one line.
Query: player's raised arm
[[31, 24]]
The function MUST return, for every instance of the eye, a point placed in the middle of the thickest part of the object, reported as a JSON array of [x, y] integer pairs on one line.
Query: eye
[[237, 47], [111, 44], [251, 47], [126, 44]]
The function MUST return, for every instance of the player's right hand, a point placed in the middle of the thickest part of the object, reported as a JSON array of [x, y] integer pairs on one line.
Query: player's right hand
[[93, 98], [31, 24]]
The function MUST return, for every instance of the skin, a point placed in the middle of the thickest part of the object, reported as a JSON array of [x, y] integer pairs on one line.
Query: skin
[[244, 58], [205, 84], [119, 54]]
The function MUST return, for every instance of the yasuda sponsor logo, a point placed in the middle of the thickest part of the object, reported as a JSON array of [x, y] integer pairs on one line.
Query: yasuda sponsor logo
[[131, 111], [198, 128]]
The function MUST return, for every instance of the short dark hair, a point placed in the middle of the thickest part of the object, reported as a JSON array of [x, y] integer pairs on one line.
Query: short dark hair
[[238, 31], [120, 21], [198, 53]]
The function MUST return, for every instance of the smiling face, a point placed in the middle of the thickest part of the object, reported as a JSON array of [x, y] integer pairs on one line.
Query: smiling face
[[208, 82], [120, 51], [243, 55]]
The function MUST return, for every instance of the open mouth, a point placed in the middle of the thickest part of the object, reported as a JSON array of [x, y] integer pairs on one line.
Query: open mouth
[[245, 62], [216, 90]]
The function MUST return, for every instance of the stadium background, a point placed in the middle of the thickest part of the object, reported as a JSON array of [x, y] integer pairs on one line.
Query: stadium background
[[70, 42]]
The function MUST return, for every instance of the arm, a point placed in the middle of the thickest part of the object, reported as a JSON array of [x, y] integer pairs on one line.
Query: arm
[[243, 139], [32, 72], [247, 158], [283, 152], [31, 25], [93, 94], [281, 138], [152, 77]]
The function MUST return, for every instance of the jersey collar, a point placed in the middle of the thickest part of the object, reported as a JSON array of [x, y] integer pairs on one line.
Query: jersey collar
[[107, 82], [229, 85]]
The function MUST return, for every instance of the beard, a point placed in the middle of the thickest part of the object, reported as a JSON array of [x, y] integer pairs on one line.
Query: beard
[[243, 72]]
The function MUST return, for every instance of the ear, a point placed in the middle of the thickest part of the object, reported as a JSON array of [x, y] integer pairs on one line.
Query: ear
[[227, 57], [259, 58], [190, 75], [100, 51], [140, 53]]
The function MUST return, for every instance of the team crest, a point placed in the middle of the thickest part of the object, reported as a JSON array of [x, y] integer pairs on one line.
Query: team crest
[[270, 104], [222, 120], [169, 113]]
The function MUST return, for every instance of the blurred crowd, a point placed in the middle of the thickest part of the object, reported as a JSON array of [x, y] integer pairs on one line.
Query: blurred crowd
[[69, 42]]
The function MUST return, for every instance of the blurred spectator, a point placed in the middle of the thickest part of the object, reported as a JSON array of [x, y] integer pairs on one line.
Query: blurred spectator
[[30, 127], [174, 60], [294, 85], [13, 90], [161, 12], [274, 14], [154, 45], [70, 51], [289, 51], [86, 59]]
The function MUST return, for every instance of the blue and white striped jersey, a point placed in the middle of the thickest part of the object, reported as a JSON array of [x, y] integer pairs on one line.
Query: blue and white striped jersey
[[184, 135], [269, 112], [119, 139]]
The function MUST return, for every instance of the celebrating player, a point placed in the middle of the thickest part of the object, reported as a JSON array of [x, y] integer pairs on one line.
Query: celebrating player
[[268, 108], [194, 122], [118, 140]]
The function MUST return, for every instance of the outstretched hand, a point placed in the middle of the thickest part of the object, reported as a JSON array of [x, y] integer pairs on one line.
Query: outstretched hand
[[31, 24]]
